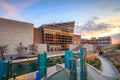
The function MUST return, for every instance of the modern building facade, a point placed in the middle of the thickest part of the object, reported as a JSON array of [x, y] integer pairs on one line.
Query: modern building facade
[[104, 40], [57, 36], [13, 33]]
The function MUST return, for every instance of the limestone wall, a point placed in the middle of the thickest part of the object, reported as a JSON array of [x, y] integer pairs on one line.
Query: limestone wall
[[13, 32]]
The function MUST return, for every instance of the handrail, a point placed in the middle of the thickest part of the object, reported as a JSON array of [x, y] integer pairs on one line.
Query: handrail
[[61, 68]]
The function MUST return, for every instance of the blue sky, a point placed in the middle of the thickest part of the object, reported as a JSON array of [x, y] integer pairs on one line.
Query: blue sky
[[41, 12], [48, 11]]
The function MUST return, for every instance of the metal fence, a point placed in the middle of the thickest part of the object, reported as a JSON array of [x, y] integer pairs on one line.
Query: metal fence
[[20, 68], [14, 69]]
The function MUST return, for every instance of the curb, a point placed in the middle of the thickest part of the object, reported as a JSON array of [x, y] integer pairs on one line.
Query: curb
[[98, 71], [57, 71], [112, 65]]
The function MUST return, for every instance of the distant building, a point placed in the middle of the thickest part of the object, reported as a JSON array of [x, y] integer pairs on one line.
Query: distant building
[[38, 37], [104, 40], [93, 44], [57, 36], [76, 39], [84, 41], [100, 41], [13, 33], [90, 48], [93, 40]]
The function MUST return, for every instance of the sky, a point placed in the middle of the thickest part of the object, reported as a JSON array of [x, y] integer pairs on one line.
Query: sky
[[93, 18]]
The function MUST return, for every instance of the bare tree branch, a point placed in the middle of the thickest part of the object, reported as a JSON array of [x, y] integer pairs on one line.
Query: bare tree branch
[[33, 49], [20, 49], [3, 50]]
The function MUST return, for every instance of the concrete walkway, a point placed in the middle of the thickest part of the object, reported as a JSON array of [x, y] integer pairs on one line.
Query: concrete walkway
[[7, 57], [95, 74], [91, 73], [108, 70]]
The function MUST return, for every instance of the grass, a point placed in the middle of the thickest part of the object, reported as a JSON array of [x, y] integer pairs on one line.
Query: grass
[[111, 51]]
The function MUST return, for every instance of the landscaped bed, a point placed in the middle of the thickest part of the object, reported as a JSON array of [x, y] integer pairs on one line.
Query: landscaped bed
[[114, 58], [94, 61]]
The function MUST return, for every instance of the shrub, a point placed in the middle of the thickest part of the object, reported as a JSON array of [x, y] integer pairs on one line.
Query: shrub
[[91, 57], [94, 61]]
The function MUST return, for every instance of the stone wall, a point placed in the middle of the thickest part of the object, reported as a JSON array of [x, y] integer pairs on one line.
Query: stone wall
[[41, 47], [14, 32]]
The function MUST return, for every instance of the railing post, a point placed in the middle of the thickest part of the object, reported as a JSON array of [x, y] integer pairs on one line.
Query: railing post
[[68, 55], [42, 60], [3, 70], [73, 69], [81, 64], [83, 69]]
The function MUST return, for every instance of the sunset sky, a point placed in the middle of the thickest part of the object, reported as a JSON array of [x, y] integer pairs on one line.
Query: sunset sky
[[94, 18]]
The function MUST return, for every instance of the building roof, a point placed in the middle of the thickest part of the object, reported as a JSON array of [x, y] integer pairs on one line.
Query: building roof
[[76, 35], [1, 19], [58, 23], [104, 37], [65, 26]]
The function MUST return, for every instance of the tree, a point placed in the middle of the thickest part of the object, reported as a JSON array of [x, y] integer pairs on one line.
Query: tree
[[98, 49], [20, 49], [33, 49], [3, 50]]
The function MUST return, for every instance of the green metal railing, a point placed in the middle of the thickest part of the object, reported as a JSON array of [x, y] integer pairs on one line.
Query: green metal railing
[[51, 61], [23, 67], [3, 70]]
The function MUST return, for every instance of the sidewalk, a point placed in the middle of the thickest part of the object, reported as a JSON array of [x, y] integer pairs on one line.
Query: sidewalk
[[108, 69], [7, 57], [91, 74], [95, 74]]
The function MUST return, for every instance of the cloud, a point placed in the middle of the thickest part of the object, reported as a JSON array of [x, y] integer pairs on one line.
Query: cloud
[[116, 10], [116, 38], [93, 28], [114, 20], [12, 10], [108, 4], [23, 4], [92, 25], [9, 9]]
